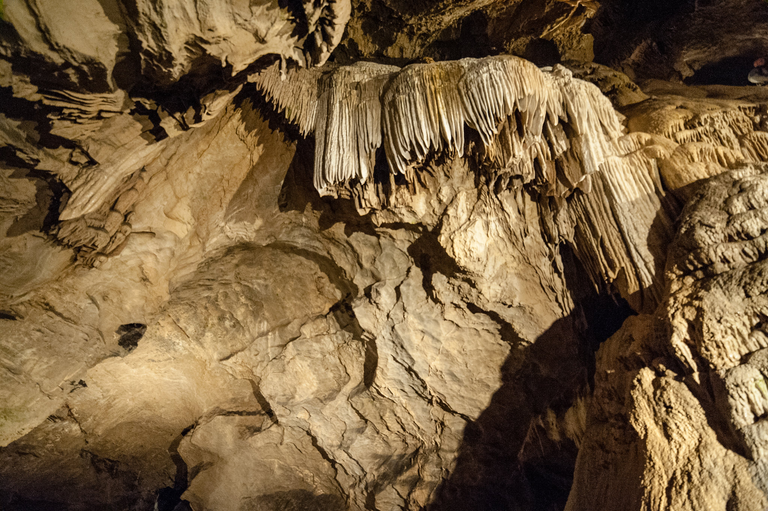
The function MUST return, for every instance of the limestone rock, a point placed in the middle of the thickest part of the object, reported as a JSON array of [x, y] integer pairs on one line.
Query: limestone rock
[[372, 377], [712, 130], [94, 38], [683, 388], [361, 255]]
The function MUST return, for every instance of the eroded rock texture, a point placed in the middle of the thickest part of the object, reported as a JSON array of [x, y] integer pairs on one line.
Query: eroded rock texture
[[683, 388], [368, 255]]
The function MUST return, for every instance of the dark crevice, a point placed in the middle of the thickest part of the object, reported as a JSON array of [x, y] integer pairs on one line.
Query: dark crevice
[[762, 322], [51, 197], [240, 413], [598, 314], [381, 172], [345, 317], [52, 194], [370, 501], [206, 76], [37, 114], [402, 226], [265, 406], [10, 157], [507, 332], [381, 24], [298, 15], [430, 257], [197, 469], [60, 194], [169, 498], [80, 384], [371, 363], [88, 77], [152, 130], [323, 453], [447, 409]]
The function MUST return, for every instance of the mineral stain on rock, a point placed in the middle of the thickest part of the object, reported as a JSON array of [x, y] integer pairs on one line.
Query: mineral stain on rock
[[130, 335]]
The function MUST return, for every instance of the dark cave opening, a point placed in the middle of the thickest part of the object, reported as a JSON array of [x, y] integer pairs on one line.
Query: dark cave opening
[[728, 71], [542, 52]]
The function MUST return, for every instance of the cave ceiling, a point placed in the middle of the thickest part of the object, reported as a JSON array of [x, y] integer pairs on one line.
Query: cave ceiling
[[383, 255]]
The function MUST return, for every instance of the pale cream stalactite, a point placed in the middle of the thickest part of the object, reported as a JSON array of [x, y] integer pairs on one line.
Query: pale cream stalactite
[[295, 95], [342, 107], [348, 123], [424, 108]]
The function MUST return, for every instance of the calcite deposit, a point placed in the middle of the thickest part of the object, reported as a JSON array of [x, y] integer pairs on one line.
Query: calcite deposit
[[382, 255]]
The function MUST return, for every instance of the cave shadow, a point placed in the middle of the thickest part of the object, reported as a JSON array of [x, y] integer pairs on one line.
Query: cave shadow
[[51, 195], [727, 71], [491, 472], [506, 460], [294, 500], [297, 194]]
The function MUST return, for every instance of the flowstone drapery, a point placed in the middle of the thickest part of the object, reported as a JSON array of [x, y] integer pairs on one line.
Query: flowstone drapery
[[519, 111], [542, 129]]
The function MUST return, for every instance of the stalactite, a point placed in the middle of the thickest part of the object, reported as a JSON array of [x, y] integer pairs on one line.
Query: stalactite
[[424, 108], [348, 123], [754, 146], [422, 111], [540, 128], [296, 98], [341, 107]]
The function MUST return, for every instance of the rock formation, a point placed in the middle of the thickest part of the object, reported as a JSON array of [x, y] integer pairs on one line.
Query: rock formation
[[379, 255]]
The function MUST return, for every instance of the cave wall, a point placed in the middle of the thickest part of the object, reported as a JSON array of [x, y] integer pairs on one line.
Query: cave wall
[[236, 276]]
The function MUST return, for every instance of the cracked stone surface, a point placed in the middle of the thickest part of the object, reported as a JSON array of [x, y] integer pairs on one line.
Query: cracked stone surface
[[549, 301]]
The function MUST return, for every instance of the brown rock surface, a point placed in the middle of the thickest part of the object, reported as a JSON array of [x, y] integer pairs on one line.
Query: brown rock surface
[[684, 389], [426, 274]]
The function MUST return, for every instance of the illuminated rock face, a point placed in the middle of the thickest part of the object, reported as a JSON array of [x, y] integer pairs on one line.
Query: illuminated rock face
[[95, 46], [232, 283], [545, 131], [685, 388]]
